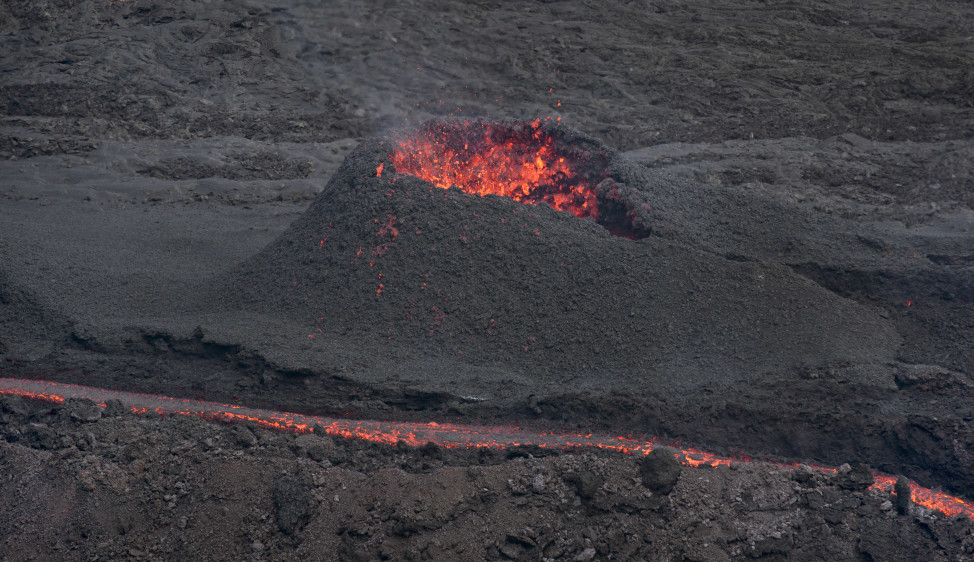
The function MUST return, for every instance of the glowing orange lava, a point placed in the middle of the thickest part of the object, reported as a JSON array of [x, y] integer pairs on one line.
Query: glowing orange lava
[[523, 161], [418, 434]]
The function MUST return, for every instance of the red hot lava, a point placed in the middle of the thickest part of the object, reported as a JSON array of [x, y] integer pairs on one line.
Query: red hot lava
[[523, 161], [418, 434]]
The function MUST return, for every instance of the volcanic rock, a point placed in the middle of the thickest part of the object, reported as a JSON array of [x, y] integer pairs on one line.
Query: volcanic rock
[[43, 436], [587, 554], [113, 408], [903, 496], [292, 495], [314, 446], [14, 405], [243, 436], [660, 471], [858, 477], [82, 410], [431, 450], [586, 483]]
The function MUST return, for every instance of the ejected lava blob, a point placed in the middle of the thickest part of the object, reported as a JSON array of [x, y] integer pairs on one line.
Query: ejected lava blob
[[530, 246]]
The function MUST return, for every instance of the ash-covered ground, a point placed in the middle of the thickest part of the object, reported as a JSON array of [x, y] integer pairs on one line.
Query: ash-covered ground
[[187, 187]]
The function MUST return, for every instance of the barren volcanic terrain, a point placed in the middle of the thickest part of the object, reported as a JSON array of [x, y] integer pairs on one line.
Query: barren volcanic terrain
[[733, 227]]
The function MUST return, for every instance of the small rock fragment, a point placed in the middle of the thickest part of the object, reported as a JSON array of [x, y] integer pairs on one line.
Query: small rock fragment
[[538, 482], [525, 541], [585, 555]]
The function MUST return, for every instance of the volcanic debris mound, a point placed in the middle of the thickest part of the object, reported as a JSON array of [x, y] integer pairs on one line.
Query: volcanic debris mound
[[389, 258]]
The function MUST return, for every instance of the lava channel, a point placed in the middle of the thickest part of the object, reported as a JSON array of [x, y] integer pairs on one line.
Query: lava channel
[[452, 436]]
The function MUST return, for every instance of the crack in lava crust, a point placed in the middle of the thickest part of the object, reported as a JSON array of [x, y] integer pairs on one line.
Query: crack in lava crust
[[415, 434]]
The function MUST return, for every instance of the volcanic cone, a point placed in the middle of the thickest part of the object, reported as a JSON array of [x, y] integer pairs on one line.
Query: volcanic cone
[[422, 274]]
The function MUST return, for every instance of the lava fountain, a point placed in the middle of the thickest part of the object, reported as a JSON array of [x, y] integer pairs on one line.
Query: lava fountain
[[454, 436], [532, 163]]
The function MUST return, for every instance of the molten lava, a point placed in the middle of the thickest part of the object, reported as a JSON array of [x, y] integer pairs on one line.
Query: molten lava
[[523, 161], [417, 434]]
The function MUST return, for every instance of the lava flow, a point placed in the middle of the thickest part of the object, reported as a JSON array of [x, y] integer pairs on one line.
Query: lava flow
[[417, 434], [523, 161]]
